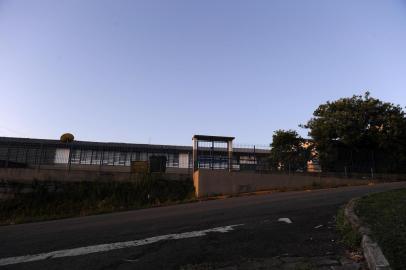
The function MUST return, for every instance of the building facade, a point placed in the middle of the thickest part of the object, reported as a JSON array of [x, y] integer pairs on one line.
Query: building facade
[[24, 152]]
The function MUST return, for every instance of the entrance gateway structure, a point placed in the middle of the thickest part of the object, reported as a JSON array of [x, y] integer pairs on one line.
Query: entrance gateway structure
[[212, 152]]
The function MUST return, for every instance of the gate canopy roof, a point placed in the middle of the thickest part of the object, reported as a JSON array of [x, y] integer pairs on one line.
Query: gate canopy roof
[[210, 138]]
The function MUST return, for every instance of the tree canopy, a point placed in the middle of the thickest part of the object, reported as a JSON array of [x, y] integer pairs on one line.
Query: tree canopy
[[289, 151], [360, 133]]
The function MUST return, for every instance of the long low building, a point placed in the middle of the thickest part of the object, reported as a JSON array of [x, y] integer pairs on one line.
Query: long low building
[[97, 155]]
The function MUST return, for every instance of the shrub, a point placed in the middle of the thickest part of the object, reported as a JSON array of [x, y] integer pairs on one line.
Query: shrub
[[350, 237], [49, 200], [67, 137]]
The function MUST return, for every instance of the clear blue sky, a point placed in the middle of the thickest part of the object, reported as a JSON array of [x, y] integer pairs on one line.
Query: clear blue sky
[[161, 71]]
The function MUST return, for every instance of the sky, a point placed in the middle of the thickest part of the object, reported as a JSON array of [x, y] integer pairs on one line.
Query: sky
[[158, 71]]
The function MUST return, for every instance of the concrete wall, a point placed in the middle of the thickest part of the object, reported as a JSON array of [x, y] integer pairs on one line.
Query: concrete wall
[[106, 168], [29, 174], [221, 182]]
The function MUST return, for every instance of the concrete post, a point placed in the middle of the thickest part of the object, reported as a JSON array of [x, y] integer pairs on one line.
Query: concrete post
[[195, 161], [70, 158], [230, 155], [8, 156], [40, 157], [101, 159], [212, 156]]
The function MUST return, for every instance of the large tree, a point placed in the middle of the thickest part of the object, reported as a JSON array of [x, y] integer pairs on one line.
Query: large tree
[[289, 151], [360, 133]]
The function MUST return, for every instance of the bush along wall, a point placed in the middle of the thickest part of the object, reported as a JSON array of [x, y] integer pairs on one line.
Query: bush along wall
[[52, 199]]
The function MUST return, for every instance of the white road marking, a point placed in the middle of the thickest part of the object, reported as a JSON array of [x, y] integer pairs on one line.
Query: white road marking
[[287, 220], [112, 246], [129, 260]]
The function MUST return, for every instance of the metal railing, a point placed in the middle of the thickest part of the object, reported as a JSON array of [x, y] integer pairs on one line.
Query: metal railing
[[97, 156]]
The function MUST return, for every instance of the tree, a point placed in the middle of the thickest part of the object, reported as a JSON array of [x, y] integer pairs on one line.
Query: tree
[[360, 133], [67, 137], [289, 151]]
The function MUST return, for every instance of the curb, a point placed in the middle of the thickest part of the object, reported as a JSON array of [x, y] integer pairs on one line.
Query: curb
[[372, 252]]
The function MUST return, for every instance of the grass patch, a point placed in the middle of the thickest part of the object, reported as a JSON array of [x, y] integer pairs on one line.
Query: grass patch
[[52, 200], [385, 214], [305, 266], [350, 237]]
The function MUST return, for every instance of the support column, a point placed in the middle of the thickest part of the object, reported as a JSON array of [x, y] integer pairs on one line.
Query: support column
[[40, 157], [195, 161], [8, 156], [70, 158], [230, 155], [212, 156]]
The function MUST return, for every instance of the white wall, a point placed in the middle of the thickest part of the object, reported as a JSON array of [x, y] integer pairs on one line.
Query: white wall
[[61, 156], [183, 160]]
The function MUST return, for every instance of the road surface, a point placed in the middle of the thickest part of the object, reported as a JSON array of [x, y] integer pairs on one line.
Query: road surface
[[223, 234]]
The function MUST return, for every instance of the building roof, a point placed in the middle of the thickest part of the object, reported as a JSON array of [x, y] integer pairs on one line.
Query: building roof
[[26, 142], [212, 138], [87, 144]]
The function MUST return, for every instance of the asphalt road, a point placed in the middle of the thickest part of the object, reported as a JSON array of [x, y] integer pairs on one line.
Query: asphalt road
[[259, 234]]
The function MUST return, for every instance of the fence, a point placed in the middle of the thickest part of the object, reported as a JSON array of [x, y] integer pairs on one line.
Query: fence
[[73, 155], [78, 155]]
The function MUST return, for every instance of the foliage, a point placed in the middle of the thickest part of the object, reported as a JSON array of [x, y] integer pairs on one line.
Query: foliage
[[67, 137], [359, 133], [50, 200], [350, 237], [385, 215], [289, 151]]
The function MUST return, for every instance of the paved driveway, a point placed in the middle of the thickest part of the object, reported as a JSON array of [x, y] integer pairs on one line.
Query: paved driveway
[[235, 233]]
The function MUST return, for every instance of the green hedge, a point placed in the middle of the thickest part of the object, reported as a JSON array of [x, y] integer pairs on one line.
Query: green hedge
[[51, 200]]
